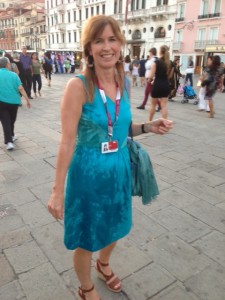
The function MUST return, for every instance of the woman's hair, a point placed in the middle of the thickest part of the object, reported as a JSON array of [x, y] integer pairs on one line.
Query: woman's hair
[[33, 55], [215, 63], [92, 29], [9, 57], [153, 51], [48, 54], [127, 59], [16, 55], [165, 56]]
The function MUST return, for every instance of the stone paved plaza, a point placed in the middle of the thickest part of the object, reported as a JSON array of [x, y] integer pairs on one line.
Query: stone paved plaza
[[176, 248]]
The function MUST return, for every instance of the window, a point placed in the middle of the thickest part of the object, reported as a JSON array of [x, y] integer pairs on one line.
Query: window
[[204, 7], [74, 15], [213, 33], [216, 7], [80, 18], [62, 18], [69, 37], [52, 38], [115, 7], [103, 9], [63, 38], [68, 17], [201, 34], [143, 4], [179, 35], [75, 36], [92, 11], [52, 21], [180, 12], [57, 38], [86, 13], [97, 10], [161, 2]]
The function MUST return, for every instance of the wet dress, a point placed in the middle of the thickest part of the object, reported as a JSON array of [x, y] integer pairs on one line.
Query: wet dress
[[98, 189], [160, 87]]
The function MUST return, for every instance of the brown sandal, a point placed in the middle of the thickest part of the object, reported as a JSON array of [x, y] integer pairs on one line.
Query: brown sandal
[[82, 292], [110, 280]]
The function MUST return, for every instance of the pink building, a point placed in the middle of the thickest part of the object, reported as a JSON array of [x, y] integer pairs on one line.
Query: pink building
[[199, 31]]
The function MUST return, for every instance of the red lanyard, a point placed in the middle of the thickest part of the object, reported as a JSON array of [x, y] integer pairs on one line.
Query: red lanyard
[[103, 96]]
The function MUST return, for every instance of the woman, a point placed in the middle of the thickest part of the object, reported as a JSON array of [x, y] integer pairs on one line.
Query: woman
[[10, 89], [161, 71], [211, 81], [176, 75], [36, 78], [127, 65], [47, 66], [96, 109], [13, 66]]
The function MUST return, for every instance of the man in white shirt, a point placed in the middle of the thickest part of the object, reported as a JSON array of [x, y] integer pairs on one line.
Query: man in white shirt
[[148, 88]]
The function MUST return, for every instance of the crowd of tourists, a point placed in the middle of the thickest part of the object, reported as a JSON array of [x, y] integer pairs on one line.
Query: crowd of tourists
[[163, 80]]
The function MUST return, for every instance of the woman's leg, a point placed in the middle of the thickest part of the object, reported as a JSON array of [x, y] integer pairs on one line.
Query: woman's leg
[[104, 257], [13, 115], [152, 108], [211, 107], [164, 111], [39, 83], [6, 122], [82, 266], [34, 84]]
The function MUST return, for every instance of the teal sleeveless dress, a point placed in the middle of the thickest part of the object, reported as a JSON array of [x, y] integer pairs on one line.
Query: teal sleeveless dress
[[98, 209]]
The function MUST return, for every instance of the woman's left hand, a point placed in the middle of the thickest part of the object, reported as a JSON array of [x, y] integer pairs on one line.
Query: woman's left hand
[[161, 126]]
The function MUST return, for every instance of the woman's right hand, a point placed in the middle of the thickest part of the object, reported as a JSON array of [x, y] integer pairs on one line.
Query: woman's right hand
[[55, 205]]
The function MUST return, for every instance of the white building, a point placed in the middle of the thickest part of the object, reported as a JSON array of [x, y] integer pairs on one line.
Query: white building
[[146, 23]]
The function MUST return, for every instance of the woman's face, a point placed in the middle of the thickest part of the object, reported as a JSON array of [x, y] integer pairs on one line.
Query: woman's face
[[209, 62], [34, 56], [105, 49]]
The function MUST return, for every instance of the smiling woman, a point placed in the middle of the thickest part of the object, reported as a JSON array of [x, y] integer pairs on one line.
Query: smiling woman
[[96, 109]]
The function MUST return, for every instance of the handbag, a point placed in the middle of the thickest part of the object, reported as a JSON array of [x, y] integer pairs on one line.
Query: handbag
[[143, 180]]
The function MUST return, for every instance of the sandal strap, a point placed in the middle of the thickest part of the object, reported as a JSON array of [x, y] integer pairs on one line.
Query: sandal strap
[[86, 291], [102, 264]]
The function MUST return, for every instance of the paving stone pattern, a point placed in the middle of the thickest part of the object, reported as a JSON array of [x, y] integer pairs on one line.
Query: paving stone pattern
[[176, 248]]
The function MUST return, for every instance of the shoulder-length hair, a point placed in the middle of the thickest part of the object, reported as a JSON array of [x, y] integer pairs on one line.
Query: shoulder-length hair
[[215, 63], [92, 29]]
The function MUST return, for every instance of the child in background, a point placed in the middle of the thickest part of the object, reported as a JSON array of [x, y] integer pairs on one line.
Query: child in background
[[135, 74]]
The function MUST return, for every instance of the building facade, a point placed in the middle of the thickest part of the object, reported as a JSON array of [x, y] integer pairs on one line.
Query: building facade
[[145, 23], [22, 23], [199, 31]]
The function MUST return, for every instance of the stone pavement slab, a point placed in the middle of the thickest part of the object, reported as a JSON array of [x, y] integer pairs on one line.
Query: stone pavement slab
[[209, 284]]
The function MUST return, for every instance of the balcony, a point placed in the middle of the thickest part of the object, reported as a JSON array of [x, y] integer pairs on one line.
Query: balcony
[[179, 19], [79, 24], [209, 16], [79, 3], [26, 33], [163, 11], [61, 8], [61, 27], [200, 45], [177, 46]]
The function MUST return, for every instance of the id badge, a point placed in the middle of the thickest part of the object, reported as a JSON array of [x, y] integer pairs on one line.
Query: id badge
[[109, 147]]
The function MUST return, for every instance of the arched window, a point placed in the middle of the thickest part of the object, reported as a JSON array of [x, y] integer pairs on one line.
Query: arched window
[[160, 32]]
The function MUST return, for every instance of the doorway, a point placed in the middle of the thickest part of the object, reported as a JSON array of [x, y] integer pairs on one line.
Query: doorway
[[136, 50], [198, 65]]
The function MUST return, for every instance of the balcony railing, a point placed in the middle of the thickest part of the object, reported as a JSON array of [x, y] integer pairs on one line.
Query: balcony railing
[[200, 45], [168, 9], [61, 27], [79, 23], [208, 16], [177, 46], [179, 19], [61, 8]]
